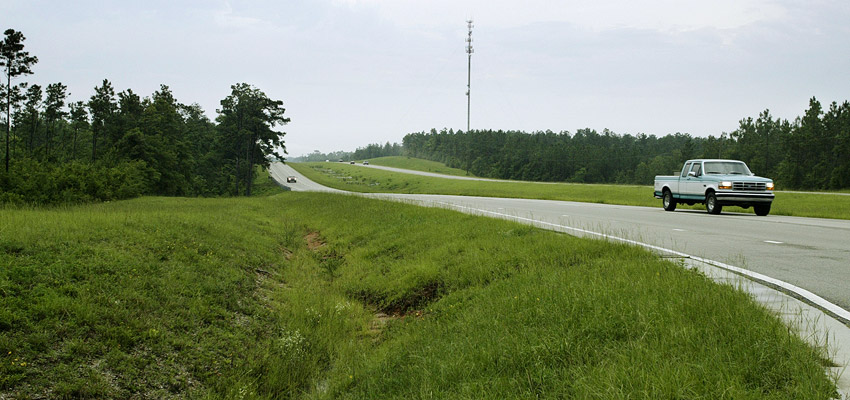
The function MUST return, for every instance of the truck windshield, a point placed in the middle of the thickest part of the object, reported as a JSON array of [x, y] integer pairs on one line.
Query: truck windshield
[[726, 168]]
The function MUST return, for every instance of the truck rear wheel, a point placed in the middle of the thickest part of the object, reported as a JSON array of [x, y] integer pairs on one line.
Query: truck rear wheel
[[762, 209], [711, 204], [667, 201]]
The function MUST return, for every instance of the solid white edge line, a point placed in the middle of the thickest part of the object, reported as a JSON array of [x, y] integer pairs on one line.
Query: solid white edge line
[[815, 299]]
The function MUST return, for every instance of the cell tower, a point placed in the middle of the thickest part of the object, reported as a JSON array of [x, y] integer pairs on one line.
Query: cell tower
[[469, 51]]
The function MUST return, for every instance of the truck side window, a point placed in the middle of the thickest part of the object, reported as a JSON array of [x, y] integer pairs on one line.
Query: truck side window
[[685, 170], [697, 168]]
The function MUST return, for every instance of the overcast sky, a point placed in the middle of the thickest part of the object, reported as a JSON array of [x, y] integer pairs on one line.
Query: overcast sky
[[354, 72]]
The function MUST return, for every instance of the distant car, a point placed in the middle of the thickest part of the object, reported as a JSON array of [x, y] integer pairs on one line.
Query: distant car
[[290, 179], [365, 162], [351, 162]]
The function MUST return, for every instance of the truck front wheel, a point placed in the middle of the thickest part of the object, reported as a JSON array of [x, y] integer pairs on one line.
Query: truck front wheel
[[711, 204], [762, 209], [667, 201]]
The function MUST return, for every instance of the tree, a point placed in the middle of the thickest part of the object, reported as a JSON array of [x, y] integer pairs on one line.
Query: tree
[[16, 62], [837, 124], [199, 136], [15, 97], [31, 115], [130, 110], [102, 106], [246, 119], [79, 120], [165, 149], [53, 111]]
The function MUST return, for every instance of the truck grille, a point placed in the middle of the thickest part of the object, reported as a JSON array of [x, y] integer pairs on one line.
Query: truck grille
[[748, 186]]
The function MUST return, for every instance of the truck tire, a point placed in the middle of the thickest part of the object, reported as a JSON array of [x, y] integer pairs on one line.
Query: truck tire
[[762, 209], [711, 204], [667, 201]]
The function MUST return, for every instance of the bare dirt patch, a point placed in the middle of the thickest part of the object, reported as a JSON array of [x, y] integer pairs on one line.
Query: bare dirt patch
[[314, 241]]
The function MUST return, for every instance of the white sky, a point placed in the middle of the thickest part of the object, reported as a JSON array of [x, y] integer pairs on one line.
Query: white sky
[[354, 72]]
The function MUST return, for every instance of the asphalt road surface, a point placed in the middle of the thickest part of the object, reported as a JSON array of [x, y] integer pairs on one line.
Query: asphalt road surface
[[280, 172], [811, 253]]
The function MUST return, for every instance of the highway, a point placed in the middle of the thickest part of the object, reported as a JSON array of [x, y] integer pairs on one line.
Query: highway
[[280, 171], [810, 253], [798, 268]]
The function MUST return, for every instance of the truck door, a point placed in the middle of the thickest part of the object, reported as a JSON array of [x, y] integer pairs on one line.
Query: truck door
[[678, 188], [692, 185]]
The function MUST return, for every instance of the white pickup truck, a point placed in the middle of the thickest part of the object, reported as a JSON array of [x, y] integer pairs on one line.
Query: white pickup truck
[[715, 183]]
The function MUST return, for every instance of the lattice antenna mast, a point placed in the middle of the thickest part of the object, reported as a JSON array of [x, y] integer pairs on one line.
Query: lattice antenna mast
[[469, 51]]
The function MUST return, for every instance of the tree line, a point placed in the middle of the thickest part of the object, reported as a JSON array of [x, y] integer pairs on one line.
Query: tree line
[[116, 145], [376, 150], [811, 152], [373, 150]]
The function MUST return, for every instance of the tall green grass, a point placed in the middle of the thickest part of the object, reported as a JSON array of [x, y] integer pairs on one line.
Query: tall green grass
[[305, 295], [366, 180]]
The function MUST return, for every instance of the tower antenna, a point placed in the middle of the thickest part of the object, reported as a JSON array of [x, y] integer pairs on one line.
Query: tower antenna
[[469, 51]]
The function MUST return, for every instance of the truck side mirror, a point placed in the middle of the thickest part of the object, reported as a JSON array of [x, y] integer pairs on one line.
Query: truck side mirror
[[692, 173]]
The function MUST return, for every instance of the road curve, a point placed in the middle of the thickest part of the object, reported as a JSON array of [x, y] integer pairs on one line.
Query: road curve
[[811, 253], [805, 258], [280, 171]]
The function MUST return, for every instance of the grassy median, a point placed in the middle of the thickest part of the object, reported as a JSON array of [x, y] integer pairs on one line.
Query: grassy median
[[330, 296], [356, 178], [418, 164]]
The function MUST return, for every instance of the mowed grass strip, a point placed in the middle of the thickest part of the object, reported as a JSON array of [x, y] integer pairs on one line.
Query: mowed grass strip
[[418, 164], [303, 295], [367, 180]]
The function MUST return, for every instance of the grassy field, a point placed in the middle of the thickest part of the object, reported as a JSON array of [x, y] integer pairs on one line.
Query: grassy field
[[358, 179], [418, 164], [324, 296]]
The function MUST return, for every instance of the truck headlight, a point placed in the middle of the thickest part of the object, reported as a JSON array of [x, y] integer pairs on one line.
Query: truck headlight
[[725, 185], [769, 186]]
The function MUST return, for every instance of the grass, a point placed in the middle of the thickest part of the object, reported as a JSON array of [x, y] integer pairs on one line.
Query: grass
[[418, 164], [358, 179], [305, 295]]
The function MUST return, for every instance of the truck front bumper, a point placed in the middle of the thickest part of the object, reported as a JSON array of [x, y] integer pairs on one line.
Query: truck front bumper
[[735, 198]]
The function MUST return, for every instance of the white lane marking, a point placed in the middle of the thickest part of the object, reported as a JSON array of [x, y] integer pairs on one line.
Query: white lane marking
[[815, 299], [679, 230], [564, 215], [773, 242]]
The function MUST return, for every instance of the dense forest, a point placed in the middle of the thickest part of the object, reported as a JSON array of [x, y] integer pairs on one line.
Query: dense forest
[[812, 152], [117, 145], [377, 150], [373, 150]]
